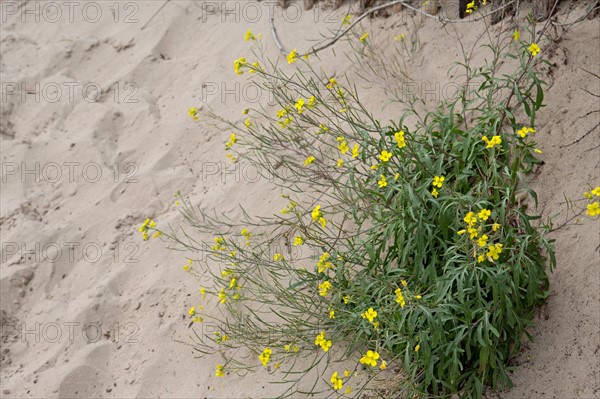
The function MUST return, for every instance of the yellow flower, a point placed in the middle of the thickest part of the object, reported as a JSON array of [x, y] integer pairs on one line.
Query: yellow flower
[[292, 56], [470, 219], [524, 131], [496, 140], [382, 182], [496, 227], [399, 136], [417, 347], [322, 341], [383, 365], [385, 156], [232, 140], [324, 288], [355, 150], [438, 181], [482, 242], [370, 358], [538, 151], [346, 299], [461, 232], [370, 315], [343, 146], [516, 35], [473, 233], [316, 213], [593, 209], [219, 372], [534, 49], [203, 292], [157, 234], [232, 283], [399, 37], [238, 64], [494, 251], [299, 105], [434, 193], [480, 258], [596, 191], [309, 160], [222, 296], [336, 381], [399, 297], [193, 112], [323, 263], [249, 36], [322, 129], [340, 163], [331, 84], [348, 391], [298, 241], [265, 356], [311, 101], [484, 214], [346, 20], [192, 311], [278, 257], [470, 7], [332, 314], [248, 122], [364, 37]]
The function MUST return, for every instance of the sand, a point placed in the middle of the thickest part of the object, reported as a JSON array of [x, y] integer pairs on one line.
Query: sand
[[95, 137]]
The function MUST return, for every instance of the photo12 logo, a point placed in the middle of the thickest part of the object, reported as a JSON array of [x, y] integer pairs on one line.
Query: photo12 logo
[[62, 332], [69, 11], [71, 252], [71, 92], [54, 172]]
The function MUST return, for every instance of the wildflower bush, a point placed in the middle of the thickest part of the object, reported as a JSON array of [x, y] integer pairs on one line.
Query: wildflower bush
[[408, 242]]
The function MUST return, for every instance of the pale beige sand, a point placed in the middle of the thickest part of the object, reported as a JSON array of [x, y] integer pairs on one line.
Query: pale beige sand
[[136, 290]]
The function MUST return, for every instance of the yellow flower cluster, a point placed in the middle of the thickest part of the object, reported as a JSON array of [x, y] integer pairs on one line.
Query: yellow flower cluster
[[438, 181], [219, 244], [475, 225], [232, 141], [238, 64], [322, 341], [219, 372], [400, 297], [148, 224], [593, 208], [399, 136], [247, 235], [496, 140], [265, 356], [382, 181], [193, 112], [324, 288], [524, 131], [250, 36], [284, 116], [336, 381], [298, 241], [370, 358], [290, 348], [317, 216], [278, 257], [292, 56], [370, 315], [324, 264]]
